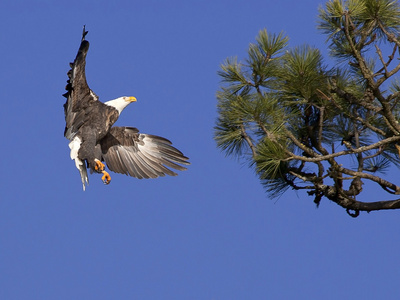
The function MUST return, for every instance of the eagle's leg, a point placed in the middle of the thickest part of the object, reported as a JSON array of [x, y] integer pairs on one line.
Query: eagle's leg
[[106, 178], [99, 167]]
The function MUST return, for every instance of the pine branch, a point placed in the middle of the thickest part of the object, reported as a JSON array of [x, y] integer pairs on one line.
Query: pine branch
[[315, 157], [248, 140], [393, 189]]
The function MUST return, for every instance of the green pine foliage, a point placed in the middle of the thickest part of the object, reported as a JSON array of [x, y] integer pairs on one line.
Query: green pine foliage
[[308, 126]]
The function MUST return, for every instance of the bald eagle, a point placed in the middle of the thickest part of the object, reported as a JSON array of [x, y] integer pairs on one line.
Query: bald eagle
[[94, 140]]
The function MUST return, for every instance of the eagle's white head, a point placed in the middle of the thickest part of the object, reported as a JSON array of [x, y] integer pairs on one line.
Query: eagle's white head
[[120, 103]]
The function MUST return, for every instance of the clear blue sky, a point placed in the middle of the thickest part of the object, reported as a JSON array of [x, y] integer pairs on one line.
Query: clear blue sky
[[211, 232]]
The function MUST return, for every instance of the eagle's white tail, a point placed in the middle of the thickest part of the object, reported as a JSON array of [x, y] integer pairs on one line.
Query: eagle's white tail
[[74, 145]]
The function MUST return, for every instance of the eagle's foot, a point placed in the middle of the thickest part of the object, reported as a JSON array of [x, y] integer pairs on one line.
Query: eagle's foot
[[106, 178], [99, 167]]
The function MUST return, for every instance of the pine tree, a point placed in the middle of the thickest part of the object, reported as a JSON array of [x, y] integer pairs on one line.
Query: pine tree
[[306, 126]]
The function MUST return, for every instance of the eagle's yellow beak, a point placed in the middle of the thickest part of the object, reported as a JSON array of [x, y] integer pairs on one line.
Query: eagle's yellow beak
[[131, 99]]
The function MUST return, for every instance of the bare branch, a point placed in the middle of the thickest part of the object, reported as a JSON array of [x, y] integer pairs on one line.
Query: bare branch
[[382, 182], [248, 140], [317, 157], [374, 206], [385, 65], [378, 50]]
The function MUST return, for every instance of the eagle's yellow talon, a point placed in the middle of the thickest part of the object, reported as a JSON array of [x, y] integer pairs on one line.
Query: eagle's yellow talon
[[106, 178], [99, 167]]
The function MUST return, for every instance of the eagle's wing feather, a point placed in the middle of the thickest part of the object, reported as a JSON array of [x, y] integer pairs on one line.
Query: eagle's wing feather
[[79, 95], [140, 155]]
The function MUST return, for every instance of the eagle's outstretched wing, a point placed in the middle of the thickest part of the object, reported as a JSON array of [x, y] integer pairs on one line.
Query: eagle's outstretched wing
[[140, 155], [79, 95], [79, 98]]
